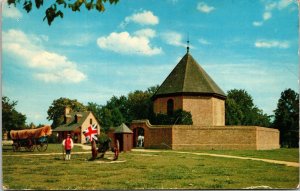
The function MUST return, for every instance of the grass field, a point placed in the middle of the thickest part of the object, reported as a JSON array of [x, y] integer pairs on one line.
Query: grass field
[[143, 170]]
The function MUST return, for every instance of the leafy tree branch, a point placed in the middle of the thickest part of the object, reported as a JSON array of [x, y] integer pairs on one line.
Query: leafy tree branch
[[53, 11]]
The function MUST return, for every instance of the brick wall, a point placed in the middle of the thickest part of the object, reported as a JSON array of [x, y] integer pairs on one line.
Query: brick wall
[[218, 112], [160, 104], [206, 111], [224, 138], [200, 108], [267, 138], [154, 136], [141, 124], [160, 137], [191, 137]]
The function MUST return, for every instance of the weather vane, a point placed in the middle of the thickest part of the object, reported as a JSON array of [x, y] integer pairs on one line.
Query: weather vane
[[188, 46]]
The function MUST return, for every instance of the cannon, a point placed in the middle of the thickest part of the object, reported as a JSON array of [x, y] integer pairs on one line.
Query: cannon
[[106, 145]]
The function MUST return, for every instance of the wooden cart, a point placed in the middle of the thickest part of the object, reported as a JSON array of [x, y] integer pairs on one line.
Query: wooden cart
[[29, 139]]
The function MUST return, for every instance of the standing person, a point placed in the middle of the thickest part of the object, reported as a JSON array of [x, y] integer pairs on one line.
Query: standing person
[[68, 145]]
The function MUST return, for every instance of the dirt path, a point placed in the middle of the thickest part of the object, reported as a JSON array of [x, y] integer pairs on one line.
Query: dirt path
[[84, 147], [292, 164], [87, 147], [45, 154]]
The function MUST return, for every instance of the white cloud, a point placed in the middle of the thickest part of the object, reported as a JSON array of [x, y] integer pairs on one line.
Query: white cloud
[[77, 40], [47, 66], [124, 43], [142, 18], [271, 44], [284, 3], [267, 15], [67, 74], [10, 11], [204, 41], [204, 8], [173, 38], [271, 6], [260, 80], [150, 33], [257, 23]]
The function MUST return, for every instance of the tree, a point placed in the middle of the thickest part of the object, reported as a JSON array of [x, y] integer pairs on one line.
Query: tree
[[233, 114], [136, 105], [117, 117], [57, 109], [95, 109], [139, 104], [106, 118], [240, 110], [287, 118], [178, 117], [108, 115], [53, 10], [11, 118], [120, 103]]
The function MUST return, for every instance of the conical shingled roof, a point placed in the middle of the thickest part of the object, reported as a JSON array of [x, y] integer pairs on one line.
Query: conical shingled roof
[[189, 78], [122, 129]]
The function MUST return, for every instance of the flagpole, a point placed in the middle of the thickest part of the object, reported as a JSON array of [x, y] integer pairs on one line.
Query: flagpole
[[63, 152], [90, 134], [94, 149]]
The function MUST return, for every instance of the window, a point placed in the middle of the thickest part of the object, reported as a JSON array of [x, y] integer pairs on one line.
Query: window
[[91, 121], [170, 106]]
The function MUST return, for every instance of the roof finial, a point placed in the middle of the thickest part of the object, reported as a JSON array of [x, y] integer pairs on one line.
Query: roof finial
[[188, 44]]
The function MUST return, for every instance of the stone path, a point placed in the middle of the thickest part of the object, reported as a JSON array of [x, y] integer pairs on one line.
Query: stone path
[[292, 164], [44, 154]]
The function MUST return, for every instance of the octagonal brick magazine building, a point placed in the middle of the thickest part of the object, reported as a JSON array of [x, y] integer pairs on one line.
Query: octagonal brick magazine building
[[190, 88]]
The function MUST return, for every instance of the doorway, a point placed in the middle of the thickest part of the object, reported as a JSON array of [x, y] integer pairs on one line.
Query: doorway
[[138, 137]]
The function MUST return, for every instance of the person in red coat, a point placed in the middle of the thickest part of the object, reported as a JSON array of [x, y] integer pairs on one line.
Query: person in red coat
[[68, 145]]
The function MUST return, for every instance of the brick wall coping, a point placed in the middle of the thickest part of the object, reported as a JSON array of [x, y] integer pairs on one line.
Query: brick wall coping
[[229, 127], [224, 127], [147, 123], [142, 121]]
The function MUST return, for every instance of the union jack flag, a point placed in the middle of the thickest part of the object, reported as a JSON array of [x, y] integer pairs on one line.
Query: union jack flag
[[90, 133]]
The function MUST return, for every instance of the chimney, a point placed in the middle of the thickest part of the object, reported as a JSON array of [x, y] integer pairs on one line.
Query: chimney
[[78, 117], [67, 118], [67, 110]]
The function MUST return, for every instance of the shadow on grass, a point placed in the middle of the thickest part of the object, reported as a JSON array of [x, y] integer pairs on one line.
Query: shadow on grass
[[58, 158], [100, 159]]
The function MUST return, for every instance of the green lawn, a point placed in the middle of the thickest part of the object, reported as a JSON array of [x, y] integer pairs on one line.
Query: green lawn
[[284, 154], [159, 170]]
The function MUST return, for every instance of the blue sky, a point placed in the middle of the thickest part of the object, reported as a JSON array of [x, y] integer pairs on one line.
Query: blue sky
[[91, 56]]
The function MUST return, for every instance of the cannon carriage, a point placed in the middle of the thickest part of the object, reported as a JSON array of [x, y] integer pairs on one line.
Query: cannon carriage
[[105, 145], [29, 139]]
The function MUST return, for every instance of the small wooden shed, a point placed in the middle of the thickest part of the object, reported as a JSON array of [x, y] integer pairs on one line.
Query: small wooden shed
[[124, 135]]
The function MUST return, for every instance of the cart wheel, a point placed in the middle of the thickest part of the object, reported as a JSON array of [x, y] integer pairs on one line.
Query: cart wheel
[[42, 146], [102, 155], [116, 150], [116, 154], [15, 147], [29, 148]]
